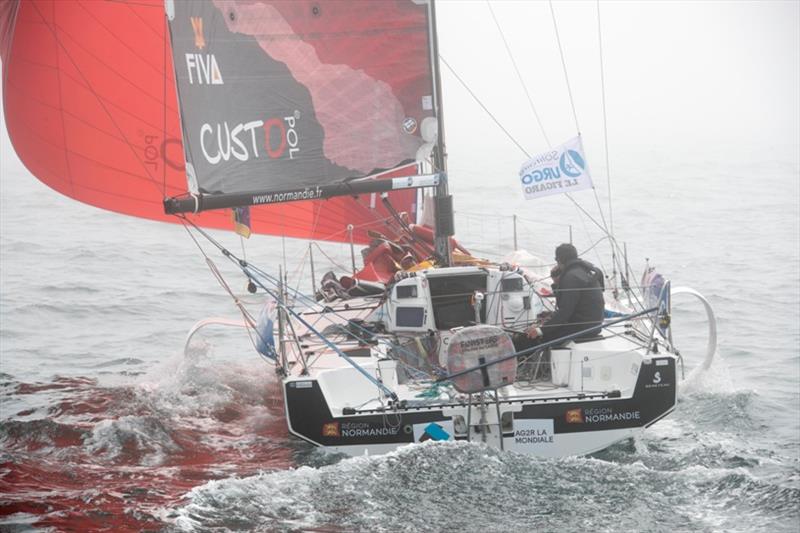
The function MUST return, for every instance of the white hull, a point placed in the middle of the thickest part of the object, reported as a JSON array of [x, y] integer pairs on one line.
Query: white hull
[[608, 392]]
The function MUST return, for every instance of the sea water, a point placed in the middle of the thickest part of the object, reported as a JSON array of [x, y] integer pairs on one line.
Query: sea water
[[108, 422]]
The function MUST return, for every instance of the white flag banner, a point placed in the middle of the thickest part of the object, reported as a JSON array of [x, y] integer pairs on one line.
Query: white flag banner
[[559, 170]]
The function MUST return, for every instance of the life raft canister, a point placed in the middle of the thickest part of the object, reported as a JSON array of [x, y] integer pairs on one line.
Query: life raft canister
[[477, 345]]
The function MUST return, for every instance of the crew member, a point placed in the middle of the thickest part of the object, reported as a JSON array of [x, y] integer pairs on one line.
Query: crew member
[[578, 287]]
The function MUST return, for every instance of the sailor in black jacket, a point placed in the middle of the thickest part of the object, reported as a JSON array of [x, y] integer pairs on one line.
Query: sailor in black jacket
[[578, 287]]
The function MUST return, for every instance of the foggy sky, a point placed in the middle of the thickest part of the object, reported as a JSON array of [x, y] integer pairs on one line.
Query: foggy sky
[[677, 74], [721, 78]]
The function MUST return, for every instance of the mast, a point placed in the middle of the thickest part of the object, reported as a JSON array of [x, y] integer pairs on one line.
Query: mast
[[443, 200]]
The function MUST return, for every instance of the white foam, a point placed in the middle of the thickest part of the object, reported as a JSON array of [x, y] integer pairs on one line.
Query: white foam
[[145, 436], [716, 379]]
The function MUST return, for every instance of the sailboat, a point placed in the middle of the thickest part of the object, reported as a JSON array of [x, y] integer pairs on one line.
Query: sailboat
[[323, 120]]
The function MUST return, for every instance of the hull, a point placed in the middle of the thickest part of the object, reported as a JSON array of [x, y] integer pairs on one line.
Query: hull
[[572, 423]]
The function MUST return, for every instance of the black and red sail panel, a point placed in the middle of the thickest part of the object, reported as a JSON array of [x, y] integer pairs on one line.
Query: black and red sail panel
[[282, 94]]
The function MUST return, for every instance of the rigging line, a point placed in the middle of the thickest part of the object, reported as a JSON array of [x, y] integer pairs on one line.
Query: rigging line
[[585, 212], [316, 211], [164, 111], [88, 12], [74, 116], [614, 257], [61, 107], [539, 222], [298, 216], [406, 227], [519, 75], [131, 2], [372, 213], [111, 67], [511, 137], [283, 238], [247, 268], [246, 316], [135, 12], [237, 302], [564, 65], [377, 222], [605, 119], [329, 258], [604, 227], [602, 215], [545, 345], [589, 249], [52, 29], [303, 213], [475, 97], [184, 221], [596, 252], [187, 146], [299, 271]]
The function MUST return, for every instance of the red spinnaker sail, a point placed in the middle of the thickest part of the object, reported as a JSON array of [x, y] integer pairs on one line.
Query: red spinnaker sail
[[91, 108]]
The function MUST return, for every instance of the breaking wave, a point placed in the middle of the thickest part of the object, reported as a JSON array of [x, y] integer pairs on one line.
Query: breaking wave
[[81, 450], [457, 486], [129, 439], [706, 468]]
